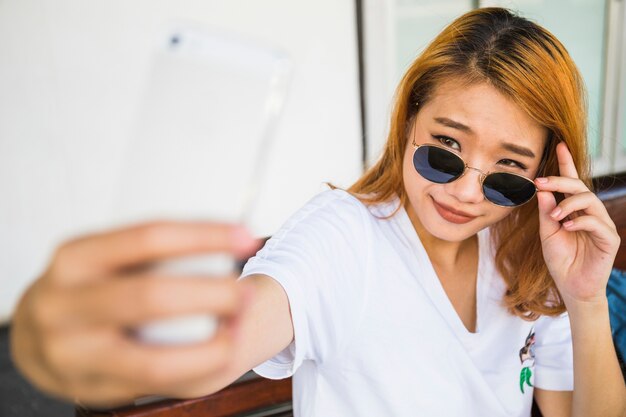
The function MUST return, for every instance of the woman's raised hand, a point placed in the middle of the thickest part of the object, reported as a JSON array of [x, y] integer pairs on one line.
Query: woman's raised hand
[[581, 249], [70, 335]]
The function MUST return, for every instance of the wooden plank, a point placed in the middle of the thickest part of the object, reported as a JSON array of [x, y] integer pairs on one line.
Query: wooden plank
[[617, 211], [238, 398], [611, 189]]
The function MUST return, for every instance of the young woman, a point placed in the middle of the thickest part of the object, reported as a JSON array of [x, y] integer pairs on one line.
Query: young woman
[[435, 285]]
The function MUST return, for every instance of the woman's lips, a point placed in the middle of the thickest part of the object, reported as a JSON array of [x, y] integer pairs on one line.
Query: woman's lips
[[451, 215]]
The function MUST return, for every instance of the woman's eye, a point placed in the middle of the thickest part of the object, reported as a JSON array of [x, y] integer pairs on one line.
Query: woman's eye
[[512, 164], [448, 142]]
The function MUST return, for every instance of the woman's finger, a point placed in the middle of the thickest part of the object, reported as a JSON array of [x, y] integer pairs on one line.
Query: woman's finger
[[107, 355], [159, 369], [101, 393], [563, 185], [98, 255], [73, 355], [604, 237], [547, 225], [65, 360], [586, 202], [567, 168], [133, 300]]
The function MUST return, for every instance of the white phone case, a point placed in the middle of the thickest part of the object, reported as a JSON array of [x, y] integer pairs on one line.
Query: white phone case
[[199, 145]]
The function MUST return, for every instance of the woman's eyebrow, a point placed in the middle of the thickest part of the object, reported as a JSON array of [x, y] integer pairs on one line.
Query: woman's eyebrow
[[520, 150], [451, 123]]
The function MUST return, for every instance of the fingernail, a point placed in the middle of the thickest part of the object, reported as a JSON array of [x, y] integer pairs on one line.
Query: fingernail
[[245, 245], [541, 180], [555, 213], [568, 223], [241, 235]]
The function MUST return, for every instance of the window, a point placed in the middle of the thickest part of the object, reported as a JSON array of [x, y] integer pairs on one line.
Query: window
[[592, 31]]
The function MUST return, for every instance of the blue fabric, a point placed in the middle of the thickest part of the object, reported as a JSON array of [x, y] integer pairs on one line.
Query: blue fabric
[[616, 293]]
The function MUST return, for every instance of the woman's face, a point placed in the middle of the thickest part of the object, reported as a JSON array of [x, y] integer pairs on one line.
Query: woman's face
[[490, 133]]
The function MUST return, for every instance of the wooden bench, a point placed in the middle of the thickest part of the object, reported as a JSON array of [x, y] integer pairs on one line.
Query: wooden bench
[[251, 394], [612, 191], [254, 396]]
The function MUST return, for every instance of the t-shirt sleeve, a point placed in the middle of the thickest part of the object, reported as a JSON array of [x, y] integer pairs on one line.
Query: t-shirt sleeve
[[319, 257], [554, 361]]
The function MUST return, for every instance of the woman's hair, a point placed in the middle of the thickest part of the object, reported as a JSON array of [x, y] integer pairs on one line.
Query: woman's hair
[[532, 68]]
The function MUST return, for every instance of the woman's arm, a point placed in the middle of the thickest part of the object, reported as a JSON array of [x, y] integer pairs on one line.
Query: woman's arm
[[580, 253], [554, 403], [598, 381]]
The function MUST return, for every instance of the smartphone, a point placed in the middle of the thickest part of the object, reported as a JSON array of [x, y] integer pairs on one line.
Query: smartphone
[[199, 145]]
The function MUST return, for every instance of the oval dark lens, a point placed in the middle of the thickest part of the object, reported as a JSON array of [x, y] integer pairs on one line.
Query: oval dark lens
[[437, 164], [507, 189]]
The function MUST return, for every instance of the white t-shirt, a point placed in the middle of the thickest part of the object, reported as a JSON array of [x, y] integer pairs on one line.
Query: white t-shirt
[[375, 333]]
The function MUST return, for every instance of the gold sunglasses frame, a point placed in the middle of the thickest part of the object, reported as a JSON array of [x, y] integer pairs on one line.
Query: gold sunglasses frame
[[483, 174]]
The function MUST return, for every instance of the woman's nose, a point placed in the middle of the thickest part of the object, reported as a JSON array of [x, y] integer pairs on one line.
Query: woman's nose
[[468, 188]]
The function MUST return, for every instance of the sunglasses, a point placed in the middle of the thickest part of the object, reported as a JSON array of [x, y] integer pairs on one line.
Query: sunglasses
[[441, 166]]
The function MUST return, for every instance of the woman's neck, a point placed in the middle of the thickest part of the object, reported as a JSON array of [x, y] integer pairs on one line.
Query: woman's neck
[[443, 253]]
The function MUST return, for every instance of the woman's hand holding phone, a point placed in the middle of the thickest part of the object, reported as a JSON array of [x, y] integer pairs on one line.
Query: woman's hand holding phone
[[72, 330]]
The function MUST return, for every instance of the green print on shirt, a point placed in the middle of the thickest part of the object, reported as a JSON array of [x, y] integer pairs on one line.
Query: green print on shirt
[[527, 359], [524, 378]]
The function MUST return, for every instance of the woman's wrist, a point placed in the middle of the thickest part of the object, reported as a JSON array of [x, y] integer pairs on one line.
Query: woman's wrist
[[587, 308]]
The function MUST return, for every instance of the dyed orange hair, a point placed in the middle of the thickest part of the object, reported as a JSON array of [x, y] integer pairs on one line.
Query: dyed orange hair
[[531, 67]]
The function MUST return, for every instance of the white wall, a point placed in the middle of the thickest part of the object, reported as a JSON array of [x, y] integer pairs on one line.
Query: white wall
[[71, 73], [395, 32]]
